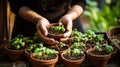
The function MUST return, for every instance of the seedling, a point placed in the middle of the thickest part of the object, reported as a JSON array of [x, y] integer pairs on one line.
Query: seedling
[[33, 47], [60, 27], [18, 42], [104, 47], [74, 54], [45, 53]]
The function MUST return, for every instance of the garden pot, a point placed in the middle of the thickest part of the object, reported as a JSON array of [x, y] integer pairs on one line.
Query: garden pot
[[14, 55], [54, 34], [61, 51], [98, 60], [43, 63], [113, 35], [72, 63]]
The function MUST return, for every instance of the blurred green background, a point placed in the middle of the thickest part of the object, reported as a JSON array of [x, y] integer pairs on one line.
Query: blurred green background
[[101, 15]]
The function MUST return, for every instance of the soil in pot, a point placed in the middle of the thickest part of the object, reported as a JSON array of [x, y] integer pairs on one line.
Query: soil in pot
[[99, 56], [14, 55], [71, 59], [55, 30], [46, 58], [62, 47], [98, 60]]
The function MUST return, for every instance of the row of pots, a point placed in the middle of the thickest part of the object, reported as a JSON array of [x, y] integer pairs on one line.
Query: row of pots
[[87, 54]]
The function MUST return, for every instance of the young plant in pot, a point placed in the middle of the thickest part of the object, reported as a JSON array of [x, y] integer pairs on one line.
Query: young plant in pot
[[100, 55], [55, 30], [44, 57], [73, 57], [82, 46], [15, 49], [62, 47], [93, 38], [31, 49]]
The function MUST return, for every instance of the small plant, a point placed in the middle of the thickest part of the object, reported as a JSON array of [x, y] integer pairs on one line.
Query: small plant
[[90, 34], [60, 27], [18, 42], [80, 39], [61, 46], [76, 33], [33, 47], [100, 37], [74, 54], [79, 45], [104, 48], [44, 53]]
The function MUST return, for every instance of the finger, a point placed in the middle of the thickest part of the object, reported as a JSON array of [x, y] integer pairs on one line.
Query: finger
[[67, 34], [69, 26], [42, 28], [50, 41], [63, 39], [68, 29]]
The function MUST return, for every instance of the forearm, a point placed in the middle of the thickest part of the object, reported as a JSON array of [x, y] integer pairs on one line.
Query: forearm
[[75, 12], [29, 15]]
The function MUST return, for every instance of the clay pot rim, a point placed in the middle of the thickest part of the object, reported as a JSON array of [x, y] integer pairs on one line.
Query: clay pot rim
[[112, 28], [44, 61], [14, 51], [89, 53]]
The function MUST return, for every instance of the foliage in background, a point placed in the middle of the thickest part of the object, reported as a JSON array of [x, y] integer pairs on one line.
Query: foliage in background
[[102, 19]]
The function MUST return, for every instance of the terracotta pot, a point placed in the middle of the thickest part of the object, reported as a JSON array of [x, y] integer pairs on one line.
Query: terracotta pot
[[14, 55], [111, 32], [43, 63], [72, 63], [60, 52], [53, 35], [98, 60]]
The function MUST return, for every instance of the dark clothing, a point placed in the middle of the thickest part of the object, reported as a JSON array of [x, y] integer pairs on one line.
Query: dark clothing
[[53, 10]]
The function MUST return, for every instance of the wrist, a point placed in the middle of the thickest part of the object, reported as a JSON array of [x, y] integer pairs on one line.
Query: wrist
[[36, 19]]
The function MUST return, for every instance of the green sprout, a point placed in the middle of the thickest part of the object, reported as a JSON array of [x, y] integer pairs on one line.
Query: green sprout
[[45, 53], [107, 48], [60, 27], [76, 33], [18, 42]]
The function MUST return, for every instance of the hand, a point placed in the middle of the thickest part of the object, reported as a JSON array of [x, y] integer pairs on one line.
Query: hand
[[42, 31], [67, 21]]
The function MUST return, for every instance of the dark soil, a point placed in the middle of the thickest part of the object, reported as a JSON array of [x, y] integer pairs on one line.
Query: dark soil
[[51, 31], [95, 52]]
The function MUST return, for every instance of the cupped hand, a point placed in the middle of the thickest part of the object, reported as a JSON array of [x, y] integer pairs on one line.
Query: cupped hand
[[42, 31], [67, 21]]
